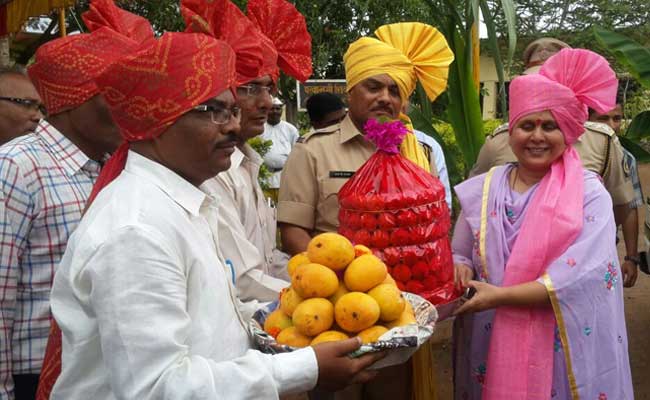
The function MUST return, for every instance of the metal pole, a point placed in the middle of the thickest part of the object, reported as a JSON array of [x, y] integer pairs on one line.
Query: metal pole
[[62, 28]]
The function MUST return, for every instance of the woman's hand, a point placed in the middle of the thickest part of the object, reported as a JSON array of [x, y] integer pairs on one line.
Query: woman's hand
[[529, 294], [462, 275], [486, 297]]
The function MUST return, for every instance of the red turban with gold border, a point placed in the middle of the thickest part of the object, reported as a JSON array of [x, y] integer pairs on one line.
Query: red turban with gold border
[[104, 13], [65, 69], [225, 21], [286, 30], [149, 90], [146, 92]]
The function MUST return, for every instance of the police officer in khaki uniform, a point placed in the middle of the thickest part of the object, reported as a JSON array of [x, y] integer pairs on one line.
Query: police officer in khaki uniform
[[599, 150], [323, 161], [320, 163]]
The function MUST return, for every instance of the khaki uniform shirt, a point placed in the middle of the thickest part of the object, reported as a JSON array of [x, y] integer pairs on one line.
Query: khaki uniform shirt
[[599, 150], [247, 229], [318, 166]]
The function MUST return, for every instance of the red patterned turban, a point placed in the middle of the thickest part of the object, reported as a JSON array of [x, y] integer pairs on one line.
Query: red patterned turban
[[287, 35], [150, 89], [225, 21], [104, 13], [146, 92], [65, 69]]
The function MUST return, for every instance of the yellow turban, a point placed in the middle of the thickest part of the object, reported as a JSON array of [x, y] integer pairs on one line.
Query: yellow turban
[[407, 52]]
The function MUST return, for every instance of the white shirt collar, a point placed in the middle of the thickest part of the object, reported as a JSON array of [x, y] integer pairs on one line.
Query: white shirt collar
[[178, 189], [237, 158]]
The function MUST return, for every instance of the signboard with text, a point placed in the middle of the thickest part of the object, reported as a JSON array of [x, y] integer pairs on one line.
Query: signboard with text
[[315, 86]]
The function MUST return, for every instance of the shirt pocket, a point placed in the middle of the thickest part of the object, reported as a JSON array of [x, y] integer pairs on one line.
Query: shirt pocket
[[328, 202]]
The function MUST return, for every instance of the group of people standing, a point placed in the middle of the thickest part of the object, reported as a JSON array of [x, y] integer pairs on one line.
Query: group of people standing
[[136, 241]]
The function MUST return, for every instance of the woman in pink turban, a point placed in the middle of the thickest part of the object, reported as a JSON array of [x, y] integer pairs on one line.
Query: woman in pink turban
[[535, 240]]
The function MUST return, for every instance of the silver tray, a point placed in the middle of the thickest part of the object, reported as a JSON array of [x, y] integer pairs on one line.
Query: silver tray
[[400, 342]]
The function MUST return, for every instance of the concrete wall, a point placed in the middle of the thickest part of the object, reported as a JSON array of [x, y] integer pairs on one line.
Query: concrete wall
[[490, 82]]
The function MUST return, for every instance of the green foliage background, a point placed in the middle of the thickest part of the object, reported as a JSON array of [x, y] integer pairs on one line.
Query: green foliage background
[[334, 24]]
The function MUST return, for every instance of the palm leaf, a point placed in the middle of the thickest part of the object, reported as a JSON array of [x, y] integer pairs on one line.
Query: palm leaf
[[464, 109], [628, 52], [640, 127], [508, 7], [637, 151]]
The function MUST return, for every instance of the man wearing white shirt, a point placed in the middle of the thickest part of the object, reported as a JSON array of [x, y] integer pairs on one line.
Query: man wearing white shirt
[[438, 156], [284, 136], [142, 296], [247, 222]]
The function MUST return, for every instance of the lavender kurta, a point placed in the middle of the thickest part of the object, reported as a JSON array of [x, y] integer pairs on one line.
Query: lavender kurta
[[584, 284]]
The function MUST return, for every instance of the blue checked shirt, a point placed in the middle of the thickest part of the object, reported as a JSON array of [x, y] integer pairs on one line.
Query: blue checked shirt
[[44, 183]]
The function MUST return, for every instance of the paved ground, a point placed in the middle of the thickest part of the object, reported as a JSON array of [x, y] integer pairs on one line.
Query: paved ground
[[637, 312]]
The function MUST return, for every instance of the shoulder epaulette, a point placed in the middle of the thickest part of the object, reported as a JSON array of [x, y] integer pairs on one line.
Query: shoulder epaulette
[[600, 128], [501, 129], [322, 131]]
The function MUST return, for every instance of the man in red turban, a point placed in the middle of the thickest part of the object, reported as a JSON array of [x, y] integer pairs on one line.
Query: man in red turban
[[65, 75], [273, 37], [143, 297], [45, 179]]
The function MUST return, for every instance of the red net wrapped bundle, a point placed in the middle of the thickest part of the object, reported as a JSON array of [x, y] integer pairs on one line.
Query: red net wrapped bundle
[[398, 210]]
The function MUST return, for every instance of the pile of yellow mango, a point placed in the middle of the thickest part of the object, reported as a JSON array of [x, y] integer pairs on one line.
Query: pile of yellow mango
[[337, 291]]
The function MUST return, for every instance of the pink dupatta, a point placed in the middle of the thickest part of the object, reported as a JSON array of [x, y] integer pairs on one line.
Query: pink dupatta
[[520, 357]]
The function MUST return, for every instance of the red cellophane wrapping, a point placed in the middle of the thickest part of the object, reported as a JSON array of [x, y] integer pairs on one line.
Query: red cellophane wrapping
[[398, 210]]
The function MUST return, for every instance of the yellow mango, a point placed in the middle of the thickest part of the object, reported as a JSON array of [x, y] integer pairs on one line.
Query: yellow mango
[[364, 273], [331, 250], [313, 316], [314, 280], [339, 293], [356, 311], [292, 337], [372, 334], [276, 322], [390, 300], [289, 300], [329, 336], [406, 318], [360, 250], [296, 261]]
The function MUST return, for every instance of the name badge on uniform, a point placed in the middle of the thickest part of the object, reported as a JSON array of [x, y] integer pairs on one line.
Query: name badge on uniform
[[341, 174]]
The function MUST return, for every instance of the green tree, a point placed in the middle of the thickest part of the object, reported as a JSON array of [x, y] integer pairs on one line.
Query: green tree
[[572, 21], [636, 59]]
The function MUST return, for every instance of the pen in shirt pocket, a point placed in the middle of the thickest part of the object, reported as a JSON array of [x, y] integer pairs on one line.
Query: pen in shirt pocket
[[232, 270]]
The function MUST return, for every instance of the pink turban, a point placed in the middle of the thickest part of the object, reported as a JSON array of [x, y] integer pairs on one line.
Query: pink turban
[[566, 84], [520, 356]]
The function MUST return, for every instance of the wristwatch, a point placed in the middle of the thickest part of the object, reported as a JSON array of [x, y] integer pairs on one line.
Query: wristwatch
[[634, 259]]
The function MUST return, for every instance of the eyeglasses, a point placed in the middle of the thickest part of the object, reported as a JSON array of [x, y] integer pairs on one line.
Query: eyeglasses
[[220, 115], [254, 90], [27, 103]]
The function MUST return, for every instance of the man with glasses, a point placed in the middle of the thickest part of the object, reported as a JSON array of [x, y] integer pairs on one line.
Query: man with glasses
[[45, 179], [142, 295], [20, 105], [247, 222]]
